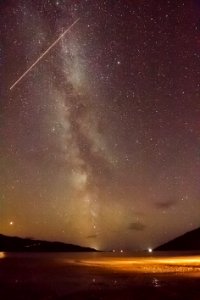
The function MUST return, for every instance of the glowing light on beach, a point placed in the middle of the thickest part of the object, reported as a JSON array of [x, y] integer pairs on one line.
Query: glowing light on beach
[[181, 265], [2, 255]]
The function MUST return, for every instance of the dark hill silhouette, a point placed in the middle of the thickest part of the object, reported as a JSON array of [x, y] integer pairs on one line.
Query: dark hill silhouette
[[190, 241], [17, 244]]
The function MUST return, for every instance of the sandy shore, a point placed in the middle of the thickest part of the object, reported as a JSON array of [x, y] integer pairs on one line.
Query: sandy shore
[[77, 276]]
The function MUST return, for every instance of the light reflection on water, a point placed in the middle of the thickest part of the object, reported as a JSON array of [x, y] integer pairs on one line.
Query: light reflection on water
[[156, 283]]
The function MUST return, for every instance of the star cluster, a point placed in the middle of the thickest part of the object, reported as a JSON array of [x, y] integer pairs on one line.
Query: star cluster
[[99, 142]]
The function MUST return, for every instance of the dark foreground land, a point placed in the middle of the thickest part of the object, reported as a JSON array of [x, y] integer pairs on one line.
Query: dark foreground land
[[61, 276]]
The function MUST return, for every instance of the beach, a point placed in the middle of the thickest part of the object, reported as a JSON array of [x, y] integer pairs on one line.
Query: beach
[[98, 276]]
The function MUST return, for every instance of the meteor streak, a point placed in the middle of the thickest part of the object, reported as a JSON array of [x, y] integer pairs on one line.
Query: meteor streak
[[43, 54]]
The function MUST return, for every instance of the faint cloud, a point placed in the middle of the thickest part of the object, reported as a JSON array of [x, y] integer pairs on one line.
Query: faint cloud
[[165, 204], [92, 236], [137, 226]]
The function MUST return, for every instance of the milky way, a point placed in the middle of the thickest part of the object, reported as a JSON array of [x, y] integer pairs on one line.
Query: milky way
[[100, 142]]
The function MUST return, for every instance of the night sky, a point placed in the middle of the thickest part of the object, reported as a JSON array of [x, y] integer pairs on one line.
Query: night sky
[[100, 141]]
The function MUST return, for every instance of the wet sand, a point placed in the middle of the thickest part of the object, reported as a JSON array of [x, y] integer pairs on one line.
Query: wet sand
[[98, 276]]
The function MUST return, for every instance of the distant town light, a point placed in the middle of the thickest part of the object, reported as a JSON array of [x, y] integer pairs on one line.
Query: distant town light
[[150, 250], [121, 251], [11, 223]]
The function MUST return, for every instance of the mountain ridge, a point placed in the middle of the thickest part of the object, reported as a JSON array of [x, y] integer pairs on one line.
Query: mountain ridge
[[189, 241], [18, 244]]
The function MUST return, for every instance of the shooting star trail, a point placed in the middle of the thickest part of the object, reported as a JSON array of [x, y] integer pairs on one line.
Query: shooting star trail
[[43, 54]]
